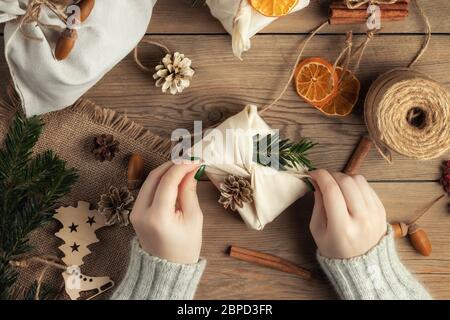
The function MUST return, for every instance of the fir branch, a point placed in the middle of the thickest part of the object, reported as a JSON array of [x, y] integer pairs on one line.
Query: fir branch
[[29, 190], [282, 153], [197, 3], [45, 292]]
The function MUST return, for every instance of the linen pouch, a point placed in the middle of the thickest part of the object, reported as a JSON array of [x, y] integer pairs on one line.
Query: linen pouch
[[273, 190], [44, 84], [241, 21]]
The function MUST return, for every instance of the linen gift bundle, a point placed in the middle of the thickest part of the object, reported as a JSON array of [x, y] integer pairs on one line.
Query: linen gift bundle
[[112, 30], [242, 19], [229, 150]]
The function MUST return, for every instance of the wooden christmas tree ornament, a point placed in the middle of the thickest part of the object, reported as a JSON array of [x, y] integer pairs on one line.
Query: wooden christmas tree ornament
[[78, 232]]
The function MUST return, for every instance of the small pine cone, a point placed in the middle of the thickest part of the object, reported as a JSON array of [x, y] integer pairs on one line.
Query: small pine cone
[[234, 191], [105, 147], [174, 73], [116, 206]]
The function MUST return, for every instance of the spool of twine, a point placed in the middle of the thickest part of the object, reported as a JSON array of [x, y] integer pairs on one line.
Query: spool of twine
[[407, 112]]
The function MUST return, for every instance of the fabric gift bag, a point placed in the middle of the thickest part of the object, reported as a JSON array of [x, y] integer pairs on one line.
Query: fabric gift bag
[[273, 190], [241, 21], [44, 84]]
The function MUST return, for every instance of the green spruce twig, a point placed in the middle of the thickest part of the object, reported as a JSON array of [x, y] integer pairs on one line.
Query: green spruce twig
[[197, 3], [282, 153], [288, 154], [29, 190]]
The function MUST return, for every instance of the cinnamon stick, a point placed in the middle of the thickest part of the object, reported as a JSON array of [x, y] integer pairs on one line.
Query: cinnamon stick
[[358, 156], [341, 21], [363, 14], [340, 14], [400, 5], [268, 260]]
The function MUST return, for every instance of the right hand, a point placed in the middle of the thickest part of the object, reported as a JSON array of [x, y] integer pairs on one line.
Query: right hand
[[166, 215], [348, 217]]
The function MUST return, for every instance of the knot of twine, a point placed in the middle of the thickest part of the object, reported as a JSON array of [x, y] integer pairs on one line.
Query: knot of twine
[[354, 4], [33, 12], [407, 112]]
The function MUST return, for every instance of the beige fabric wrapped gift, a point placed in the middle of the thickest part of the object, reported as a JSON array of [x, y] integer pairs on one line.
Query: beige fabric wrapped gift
[[241, 21], [44, 84], [273, 190]]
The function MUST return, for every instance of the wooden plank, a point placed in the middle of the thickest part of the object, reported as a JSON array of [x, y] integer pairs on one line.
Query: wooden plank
[[289, 237], [199, 21], [223, 85]]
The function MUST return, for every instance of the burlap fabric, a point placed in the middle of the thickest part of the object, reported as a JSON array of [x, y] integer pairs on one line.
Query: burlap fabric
[[69, 133]]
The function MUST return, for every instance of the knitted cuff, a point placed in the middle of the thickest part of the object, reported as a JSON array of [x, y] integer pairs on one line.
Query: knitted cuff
[[379, 274], [152, 278]]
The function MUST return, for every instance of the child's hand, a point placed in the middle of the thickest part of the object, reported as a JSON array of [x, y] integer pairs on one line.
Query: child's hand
[[167, 216], [348, 217]]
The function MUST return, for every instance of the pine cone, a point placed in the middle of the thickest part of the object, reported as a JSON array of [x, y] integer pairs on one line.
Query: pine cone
[[116, 206], [105, 147], [174, 73], [234, 191], [445, 180]]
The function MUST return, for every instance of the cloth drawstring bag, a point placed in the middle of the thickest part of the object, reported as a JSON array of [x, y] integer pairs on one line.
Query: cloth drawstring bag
[[44, 84]]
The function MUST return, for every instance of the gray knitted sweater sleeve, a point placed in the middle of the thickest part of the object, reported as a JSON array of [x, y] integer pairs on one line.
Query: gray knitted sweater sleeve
[[379, 274], [152, 278]]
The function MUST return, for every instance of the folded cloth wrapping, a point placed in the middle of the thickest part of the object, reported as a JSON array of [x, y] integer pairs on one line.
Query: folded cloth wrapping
[[241, 21], [44, 84], [273, 190]]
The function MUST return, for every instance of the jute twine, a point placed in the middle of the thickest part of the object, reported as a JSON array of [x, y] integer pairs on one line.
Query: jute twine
[[407, 112], [33, 13], [355, 4]]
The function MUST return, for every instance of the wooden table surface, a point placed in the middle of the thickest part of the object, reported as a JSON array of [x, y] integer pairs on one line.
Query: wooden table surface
[[223, 85]]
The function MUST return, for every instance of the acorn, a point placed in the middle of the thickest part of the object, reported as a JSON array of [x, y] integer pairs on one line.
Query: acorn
[[65, 43], [135, 171], [419, 240], [400, 229], [86, 7]]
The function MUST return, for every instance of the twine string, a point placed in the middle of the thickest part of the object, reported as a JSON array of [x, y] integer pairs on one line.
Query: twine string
[[407, 112], [427, 40], [425, 210], [47, 261], [297, 60], [153, 43], [33, 12], [345, 55], [355, 4]]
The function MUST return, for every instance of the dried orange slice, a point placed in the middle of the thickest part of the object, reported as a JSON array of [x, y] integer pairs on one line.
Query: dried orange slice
[[315, 81], [346, 96], [273, 8]]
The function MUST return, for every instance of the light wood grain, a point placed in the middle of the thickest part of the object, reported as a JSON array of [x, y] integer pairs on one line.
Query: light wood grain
[[223, 85], [289, 237], [179, 17], [199, 20]]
